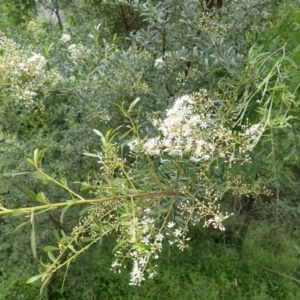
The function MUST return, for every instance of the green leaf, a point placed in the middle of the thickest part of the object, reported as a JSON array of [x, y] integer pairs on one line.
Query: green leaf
[[64, 211], [132, 105], [32, 238], [35, 156], [98, 133], [87, 239], [51, 256], [50, 248], [63, 181], [42, 177], [44, 284], [66, 239], [32, 195], [83, 211], [33, 279], [20, 173], [120, 244], [21, 225], [124, 136], [67, 269], [31, 161], [143, 246], [72, 248], [108, 227], [121, 210], [56, 235], [40, 197], [38, 155], [90, 154], [121, 108], [85, 186]]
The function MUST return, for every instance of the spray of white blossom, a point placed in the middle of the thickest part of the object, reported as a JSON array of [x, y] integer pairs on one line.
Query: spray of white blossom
[[194, 127], [23, 72]]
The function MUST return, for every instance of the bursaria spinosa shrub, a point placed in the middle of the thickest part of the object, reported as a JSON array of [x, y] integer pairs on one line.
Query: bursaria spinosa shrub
[[173, 155], [152, 181], [150, 199]]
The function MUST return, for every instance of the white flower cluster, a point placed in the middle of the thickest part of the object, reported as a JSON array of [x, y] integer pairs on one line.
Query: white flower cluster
[[145, 243], [217, 221], [23, 72], [65, 38], [194, 210], [193, 127], [160, 62], [77, 51], [253, 133]]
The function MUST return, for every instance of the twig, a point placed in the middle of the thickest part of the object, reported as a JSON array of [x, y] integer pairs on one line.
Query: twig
[[289, 277]]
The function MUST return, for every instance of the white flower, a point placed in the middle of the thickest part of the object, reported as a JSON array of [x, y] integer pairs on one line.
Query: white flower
[[152, 146], [159, 237], [77, 51], [145, 240], [137, 275], [72, 48], [152, 274], [171, 224], [37, 60], [133, 145], [159, 62], [65, 38], [143, 261], [177, 232], [116, 264]]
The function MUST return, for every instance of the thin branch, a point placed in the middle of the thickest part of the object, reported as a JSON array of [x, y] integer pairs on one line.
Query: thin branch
[[289, 277], [6, 211]]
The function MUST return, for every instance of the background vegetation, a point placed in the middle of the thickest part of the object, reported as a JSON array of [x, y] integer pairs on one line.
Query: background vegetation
[[246, 54]]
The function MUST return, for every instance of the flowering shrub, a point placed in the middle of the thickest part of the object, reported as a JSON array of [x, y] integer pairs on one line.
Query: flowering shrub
[[166, 188], [154, 180]]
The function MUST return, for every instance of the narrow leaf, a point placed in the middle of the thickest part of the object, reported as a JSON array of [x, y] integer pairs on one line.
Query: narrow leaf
[[30, 161], [50, 248], [32, 194], [98, 133], [65, 239], [56, 235], [83, 211], [67, 269], [72, 248], [33, 279], [120, 244], [132, 105], [90, 154], [32, 239], [35, 156], [87, 239], [40, 197], [143, 246], [21, 225], [44, 284], [51, 256], [63, 213]]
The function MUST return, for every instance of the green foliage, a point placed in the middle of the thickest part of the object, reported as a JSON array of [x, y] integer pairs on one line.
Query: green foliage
[[203, 271], [105, 81]]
